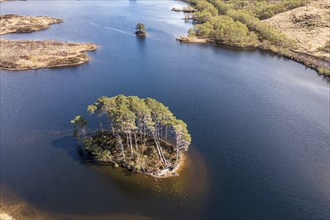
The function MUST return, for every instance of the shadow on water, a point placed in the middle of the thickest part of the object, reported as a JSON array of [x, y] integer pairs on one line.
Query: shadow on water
[[186, 193], [141, 43], [193, 169], [70, 145]]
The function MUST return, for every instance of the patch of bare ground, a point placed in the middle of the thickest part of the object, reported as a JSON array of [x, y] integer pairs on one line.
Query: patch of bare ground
[[309, 26], [11, 23], [189, 39], [34, 54]]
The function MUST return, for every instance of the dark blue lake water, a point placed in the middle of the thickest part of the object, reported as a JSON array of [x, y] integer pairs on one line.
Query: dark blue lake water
[[259, 123]]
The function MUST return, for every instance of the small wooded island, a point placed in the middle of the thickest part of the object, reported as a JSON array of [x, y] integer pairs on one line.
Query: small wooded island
[[141, 135], [140, 30]]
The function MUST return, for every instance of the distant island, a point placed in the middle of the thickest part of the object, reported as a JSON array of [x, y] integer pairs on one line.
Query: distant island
[[141, 135], [140, 30], [296, 29], [35, 54]]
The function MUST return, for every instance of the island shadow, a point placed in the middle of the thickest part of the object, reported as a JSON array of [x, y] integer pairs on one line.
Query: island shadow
[[70, 145]]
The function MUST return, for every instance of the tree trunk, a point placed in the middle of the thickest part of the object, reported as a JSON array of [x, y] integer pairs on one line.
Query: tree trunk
[[84, 132], [101, 126], [161, 151], [144, 138], [135, 140], [130, 143], [112, 129], [166, 133], [177, 147], [158, 148], [121, 146]]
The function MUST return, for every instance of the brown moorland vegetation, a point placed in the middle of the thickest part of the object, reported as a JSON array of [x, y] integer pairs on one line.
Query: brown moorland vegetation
[[11, 23], [308, 26], [34, 54]]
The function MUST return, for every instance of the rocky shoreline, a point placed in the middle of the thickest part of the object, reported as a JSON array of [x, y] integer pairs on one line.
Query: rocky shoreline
[[173, 172], [189, 39], [154, 168], [165, 173], [188, 9]]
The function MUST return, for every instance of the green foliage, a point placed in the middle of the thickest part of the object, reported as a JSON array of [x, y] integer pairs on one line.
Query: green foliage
[[191, 32], [324, 71], [140, 27], [225, 30], [221, 6], [261, 9], [205, 6], [240, 24], [204, 30], [79, 126], [202, 16], [264, 30], [264, 10]]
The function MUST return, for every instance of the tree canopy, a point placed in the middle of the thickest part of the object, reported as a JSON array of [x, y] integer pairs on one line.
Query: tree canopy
[[140, 27]]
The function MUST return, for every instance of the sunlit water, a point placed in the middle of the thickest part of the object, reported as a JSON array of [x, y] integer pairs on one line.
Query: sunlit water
[[259, 123]]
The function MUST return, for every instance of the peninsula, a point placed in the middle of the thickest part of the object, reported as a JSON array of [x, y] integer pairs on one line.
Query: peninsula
[[141, 135], [296, 29]]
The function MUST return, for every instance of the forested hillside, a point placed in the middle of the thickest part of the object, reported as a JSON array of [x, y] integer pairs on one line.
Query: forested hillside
[[241, 23]]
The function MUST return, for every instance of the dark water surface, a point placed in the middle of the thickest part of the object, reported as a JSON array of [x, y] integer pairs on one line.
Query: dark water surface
[[259, 123]]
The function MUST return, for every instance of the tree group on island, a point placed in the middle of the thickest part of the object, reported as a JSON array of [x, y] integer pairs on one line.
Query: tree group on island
[[140, 29], [140, 134]]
